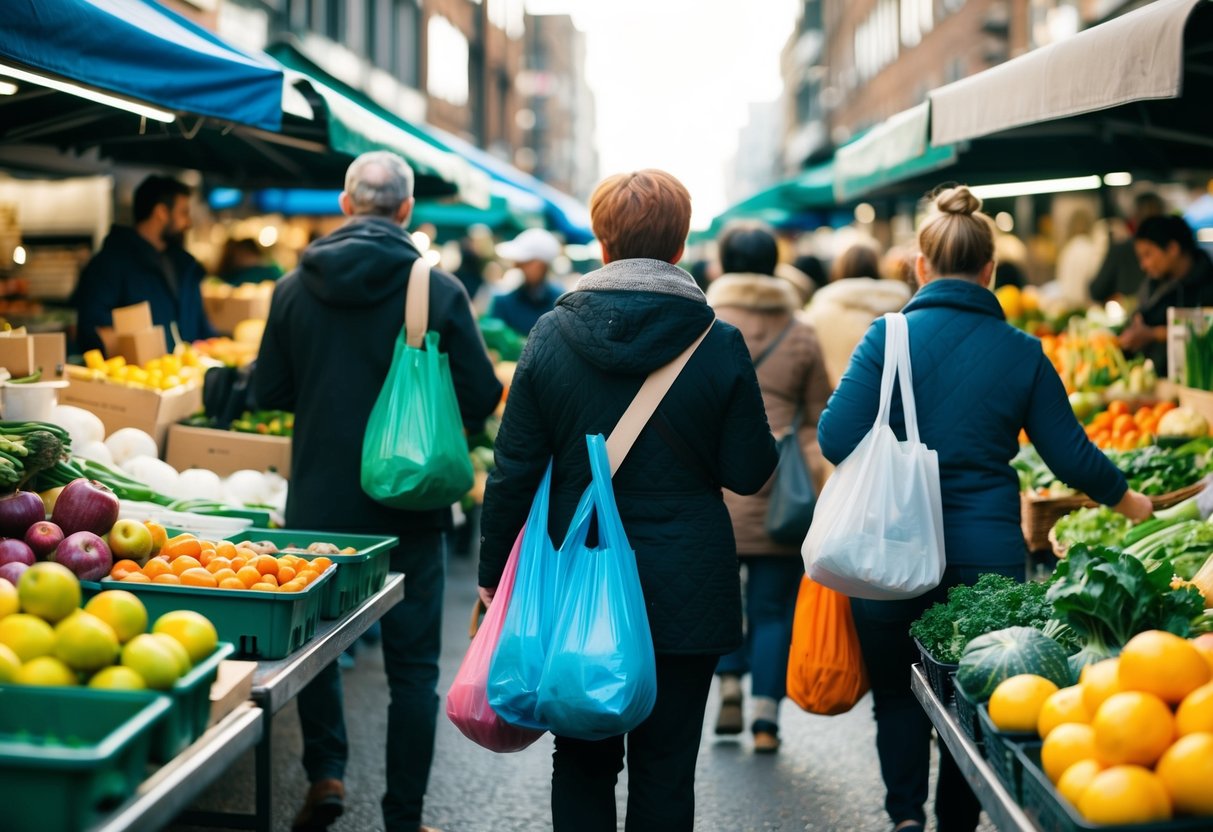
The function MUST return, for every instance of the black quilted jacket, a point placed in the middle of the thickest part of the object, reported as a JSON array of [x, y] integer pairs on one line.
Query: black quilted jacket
[[582, 366]]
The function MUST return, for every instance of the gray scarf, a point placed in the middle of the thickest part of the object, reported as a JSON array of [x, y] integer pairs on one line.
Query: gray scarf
[[642, 275]]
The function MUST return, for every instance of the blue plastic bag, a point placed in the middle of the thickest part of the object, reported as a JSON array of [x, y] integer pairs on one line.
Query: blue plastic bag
[[600, 677], [517, 663]]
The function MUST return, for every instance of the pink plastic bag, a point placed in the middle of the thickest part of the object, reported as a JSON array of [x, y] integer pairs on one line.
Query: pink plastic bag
[[467, 702]]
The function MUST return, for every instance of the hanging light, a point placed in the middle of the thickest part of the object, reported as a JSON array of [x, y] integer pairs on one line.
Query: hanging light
[[154, 113], [1037, 186]]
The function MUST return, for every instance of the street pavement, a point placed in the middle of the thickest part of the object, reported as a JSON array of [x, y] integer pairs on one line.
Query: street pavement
[[825, 777]]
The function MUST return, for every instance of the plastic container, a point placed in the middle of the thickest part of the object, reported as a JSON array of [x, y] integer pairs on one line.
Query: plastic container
[[32, 402], [999, 748], [359, 576], [261, 625], [938, 673], [100, 757], [1053, 813], [966, 712], [191, 711]]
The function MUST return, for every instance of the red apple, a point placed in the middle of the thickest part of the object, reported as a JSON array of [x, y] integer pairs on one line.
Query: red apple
[[85, 554], [85, 506], [43, 538], [12, 571], [13, 550], [19, 511]]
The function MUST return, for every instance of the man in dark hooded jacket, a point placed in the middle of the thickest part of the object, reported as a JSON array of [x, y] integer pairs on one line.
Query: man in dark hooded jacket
[[326, 351]]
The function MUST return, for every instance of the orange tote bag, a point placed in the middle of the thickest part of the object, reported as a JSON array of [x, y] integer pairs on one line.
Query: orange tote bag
[[825, 667]]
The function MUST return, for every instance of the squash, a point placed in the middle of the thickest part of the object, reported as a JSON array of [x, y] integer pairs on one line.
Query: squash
[[995, 657]]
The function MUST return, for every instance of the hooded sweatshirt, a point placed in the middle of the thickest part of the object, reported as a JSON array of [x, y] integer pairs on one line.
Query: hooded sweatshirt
[[326, 352], [581, 368]]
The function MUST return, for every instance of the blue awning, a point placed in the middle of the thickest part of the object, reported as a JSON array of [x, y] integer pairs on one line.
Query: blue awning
[[139, 50]]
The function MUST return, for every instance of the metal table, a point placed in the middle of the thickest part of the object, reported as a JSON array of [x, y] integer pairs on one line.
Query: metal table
[[1004, 812], [176, 784], [275, 683]]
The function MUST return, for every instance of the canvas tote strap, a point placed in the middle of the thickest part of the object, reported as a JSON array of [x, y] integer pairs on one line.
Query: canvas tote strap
[[642, 408], [417, 304]]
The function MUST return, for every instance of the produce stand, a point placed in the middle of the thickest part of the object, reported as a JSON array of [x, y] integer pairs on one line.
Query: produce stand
[[1004, 812]]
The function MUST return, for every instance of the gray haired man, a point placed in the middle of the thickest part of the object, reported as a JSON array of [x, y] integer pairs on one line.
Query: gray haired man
[[325, 354]]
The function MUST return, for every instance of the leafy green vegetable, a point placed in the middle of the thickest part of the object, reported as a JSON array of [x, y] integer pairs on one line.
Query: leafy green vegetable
[[1179, 549], [1093, 526], [1107, 597], [993, 603], [1153, 470], [1035, 475]]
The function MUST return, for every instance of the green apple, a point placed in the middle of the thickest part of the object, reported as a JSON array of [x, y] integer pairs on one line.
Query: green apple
[[50, 591], [130, 539]]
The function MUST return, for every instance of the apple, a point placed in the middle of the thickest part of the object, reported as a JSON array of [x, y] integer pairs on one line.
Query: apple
[[43, 538], [130, 539], [13, 571], [49, 591], [85, 506], [15, 551], [19, 511], [85, 554]]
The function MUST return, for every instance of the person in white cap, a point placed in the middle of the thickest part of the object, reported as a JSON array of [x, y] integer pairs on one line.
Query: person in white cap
[[533, 252]]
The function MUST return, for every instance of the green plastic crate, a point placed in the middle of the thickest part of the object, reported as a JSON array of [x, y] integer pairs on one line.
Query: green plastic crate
[[1053, 813], [191, 711], [261, 625], [999, 748], [360, 575], [106, 736]]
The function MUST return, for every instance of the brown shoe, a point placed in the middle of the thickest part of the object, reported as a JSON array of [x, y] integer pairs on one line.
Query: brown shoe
[[324, 804], [765, 742]]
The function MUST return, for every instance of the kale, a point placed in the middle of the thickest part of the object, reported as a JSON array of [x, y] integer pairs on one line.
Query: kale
[[993, 603]]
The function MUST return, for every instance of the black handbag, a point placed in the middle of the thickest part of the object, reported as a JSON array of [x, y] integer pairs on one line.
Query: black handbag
[[790, 508]]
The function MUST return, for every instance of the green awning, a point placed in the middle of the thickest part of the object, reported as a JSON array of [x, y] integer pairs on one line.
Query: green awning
[[499, 215], [357, 124], [809, 190], [891, 152]]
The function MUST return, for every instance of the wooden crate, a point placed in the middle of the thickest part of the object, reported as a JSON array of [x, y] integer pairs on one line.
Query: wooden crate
[[1038, 515]]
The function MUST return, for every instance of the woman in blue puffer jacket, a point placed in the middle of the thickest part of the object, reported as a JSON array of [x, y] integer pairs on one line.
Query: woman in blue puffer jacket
[[977, 383]]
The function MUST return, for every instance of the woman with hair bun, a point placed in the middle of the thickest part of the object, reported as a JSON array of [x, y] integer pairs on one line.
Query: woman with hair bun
[[977, 382]]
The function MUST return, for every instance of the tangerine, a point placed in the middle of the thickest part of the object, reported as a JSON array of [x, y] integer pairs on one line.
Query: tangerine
[[1067, 744], [1016, 703], [1186, 770], [1163, 664], [1133, 728], [218, 562], [285, 574], [1062, 707], [225, 549], [166, 578], [198, 577], [156, 566], [220, 574], [1076, 779], [1099, 681], [1195, 714], [1124, 795], [322, 563], [159, 536], [123, 568], [184, 562], [137, 578], [181, 546], [239, 562], [232, 583], [248, 576], [263, 587], [266, 564]]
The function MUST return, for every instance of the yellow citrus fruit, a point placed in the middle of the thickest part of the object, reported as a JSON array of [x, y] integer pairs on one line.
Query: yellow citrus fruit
[[10, 663], [1016, 702], [192, 630], [86, 643], [1067, 744], [152, 659], [121, 610], [47, 671], [28, 636], [1123, 795], [1195, 713], [1064, 706], [1076, 778], [178, 650], [1099, 681], [9, 602], [117, 678], [1163, 664], [1132, 728], [1186, 771]]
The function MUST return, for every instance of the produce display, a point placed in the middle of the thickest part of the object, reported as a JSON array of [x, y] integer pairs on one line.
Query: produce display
[[165, 373], [187, 561], [1118, 429], [1152, 469], [993, 603], [238, 351], [1089, 359], [264, 422]]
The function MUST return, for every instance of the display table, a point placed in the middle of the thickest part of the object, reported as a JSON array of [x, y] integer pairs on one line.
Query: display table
[[1004, 812]]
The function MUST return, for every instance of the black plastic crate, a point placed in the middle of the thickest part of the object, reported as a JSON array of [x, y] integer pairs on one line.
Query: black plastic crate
[[966, 712], [999, 748], [939, 674]]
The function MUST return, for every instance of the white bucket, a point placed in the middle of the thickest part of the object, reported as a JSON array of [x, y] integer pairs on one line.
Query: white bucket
[[30, 402]]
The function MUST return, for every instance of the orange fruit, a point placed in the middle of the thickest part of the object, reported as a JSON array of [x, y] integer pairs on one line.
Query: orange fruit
[[220, 574], [1195, 713], [232, 583], [1076, 779], [156, 566], [1132, 728], [248, 576], [1125, 795], [1066, 745], [198, 577], [1016, 703], [1117, 407], [1064, 706], [285, 574], [266, 564], [216, 563], [1163, 664], [1204, 643], [306, 576], [123, 568], [136, 578], [184, 562], [182, 545], [239, 562], [1186, 771], [270, 579], [292, 586], [166, 578], [159, 536], [263, 587], [322, 563], [225, 549], [205, 556], [1099, 681]]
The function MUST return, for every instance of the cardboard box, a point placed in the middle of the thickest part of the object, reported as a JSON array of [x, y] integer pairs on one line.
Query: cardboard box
[[231, 688], [151, 411], [226, 313], [134, 318], [227, 451], [143, 346], [1199, 400], [22, 354]]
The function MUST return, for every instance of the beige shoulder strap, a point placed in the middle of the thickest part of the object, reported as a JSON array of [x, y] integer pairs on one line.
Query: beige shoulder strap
[[642, 408], [417, 304]]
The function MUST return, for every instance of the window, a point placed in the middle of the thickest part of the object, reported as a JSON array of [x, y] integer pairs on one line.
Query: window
[[447, 62], [917, 19], [405, 42], [509, 16]]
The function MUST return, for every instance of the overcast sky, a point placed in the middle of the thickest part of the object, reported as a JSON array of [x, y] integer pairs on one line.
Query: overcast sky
[[672, 80]]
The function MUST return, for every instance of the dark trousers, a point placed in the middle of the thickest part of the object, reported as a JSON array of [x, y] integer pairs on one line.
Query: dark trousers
[[903, 731], [411, 633], [661, 755], [771, 586]]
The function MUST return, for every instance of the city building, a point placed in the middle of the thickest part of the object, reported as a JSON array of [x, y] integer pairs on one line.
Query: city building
[[757, 164]]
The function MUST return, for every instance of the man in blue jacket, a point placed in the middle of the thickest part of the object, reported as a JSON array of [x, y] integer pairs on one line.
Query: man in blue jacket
[[146, 262], [533, 251]]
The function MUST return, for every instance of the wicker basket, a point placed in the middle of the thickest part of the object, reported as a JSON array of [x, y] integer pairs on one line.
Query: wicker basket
[[1039, 515]]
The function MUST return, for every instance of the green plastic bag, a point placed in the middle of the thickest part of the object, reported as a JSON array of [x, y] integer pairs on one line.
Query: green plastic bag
[[414, 454]]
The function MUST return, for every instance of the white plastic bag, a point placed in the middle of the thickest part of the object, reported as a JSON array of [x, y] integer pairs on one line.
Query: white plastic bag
[[878, 529]]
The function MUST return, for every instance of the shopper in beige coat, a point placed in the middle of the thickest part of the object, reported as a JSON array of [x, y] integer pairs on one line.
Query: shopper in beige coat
[[793, 378], [842, 311]]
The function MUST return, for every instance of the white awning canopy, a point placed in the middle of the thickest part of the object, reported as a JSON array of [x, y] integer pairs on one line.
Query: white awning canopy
[[1137, 57]]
